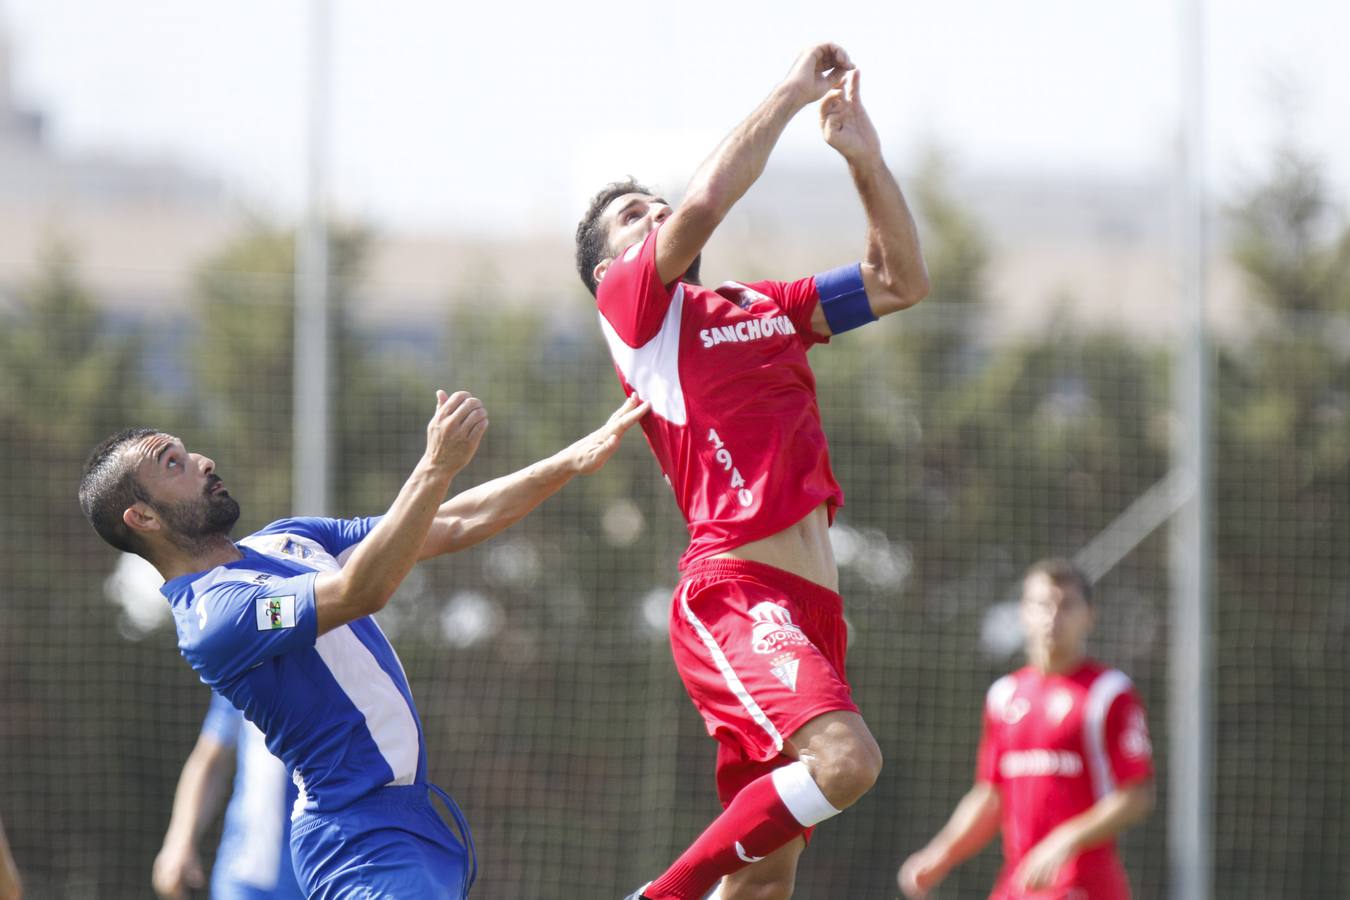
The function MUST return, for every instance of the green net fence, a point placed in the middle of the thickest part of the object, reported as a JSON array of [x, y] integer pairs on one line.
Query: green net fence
[[539, 661]]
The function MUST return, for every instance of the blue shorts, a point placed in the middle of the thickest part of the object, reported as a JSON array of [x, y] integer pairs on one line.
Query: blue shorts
[[391, 844], [241, 863], [223, 888]]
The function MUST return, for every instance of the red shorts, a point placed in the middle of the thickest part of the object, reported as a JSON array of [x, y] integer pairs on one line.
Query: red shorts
[[761, 652], [1095, 875]]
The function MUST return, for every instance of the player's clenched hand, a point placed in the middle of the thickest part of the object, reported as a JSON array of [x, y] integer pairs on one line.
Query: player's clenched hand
[[455, 430], [176, 870], [922, 872], [1040, 867], [816, 71], [592, 451], [845, 123]]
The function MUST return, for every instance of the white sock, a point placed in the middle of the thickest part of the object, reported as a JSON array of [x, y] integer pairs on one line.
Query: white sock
[[801, 795]]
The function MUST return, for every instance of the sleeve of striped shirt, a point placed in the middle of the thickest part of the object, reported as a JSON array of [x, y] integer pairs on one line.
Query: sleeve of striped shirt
[[335, 535], [242, 624]]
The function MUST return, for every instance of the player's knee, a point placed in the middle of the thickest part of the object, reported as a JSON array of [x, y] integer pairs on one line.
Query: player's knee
[[848, 770]]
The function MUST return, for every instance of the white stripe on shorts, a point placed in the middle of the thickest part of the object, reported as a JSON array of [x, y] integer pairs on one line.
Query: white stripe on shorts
[[728, 674]]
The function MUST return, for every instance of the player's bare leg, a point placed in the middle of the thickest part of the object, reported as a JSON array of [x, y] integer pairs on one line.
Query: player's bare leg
[[844, 760], [840, 753], [772, 878], [836, 762]]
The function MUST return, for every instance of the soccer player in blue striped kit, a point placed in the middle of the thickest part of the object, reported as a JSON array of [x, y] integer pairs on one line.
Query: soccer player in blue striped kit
[[253, 860], [280, 624]]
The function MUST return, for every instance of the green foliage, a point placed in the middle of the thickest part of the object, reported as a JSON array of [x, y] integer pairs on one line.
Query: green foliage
[[1291, 240], [968, 456], [964, 456], [242, 356], [956, 249], [69, 379], [1282, 451]]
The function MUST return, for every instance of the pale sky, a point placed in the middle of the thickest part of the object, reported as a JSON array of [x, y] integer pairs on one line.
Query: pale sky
[[506, 116]]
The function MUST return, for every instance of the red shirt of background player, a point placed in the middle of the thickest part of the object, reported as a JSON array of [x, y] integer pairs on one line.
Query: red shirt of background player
[[1054, 745], [1064, 765]]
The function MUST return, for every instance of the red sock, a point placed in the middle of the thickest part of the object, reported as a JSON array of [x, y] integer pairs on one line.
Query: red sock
[[757, 822]]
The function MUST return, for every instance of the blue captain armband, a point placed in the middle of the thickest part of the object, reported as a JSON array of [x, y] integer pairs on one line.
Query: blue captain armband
[[844, 299]]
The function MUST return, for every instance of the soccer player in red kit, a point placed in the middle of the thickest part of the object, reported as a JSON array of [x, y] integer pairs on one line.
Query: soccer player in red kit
[[757, 625], [1064, 766]]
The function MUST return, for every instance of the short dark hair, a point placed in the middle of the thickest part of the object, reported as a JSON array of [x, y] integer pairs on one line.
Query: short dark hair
[[1062, 572], [109, 486], [592, 237]]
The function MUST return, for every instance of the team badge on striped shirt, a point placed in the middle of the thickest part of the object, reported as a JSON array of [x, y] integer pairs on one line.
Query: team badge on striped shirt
[[276, 612]]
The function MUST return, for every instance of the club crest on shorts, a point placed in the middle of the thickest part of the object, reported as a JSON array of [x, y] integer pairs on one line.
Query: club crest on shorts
[[784, 668], [773, 630]]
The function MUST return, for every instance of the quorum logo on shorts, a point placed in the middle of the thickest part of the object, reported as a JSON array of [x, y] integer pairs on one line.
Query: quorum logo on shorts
[[773, 629], [276, 612]]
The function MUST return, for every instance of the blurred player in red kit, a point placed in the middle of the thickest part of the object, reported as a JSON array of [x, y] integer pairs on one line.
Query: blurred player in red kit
[[1065, 763]]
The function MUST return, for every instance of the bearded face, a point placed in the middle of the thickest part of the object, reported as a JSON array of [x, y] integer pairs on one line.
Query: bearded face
[[195, 522]]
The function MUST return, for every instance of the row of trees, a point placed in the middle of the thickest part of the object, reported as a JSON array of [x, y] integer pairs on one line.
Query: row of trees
[[539, 660]]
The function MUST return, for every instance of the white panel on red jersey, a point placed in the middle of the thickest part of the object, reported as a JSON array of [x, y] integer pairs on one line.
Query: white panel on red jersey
[[653, 369]]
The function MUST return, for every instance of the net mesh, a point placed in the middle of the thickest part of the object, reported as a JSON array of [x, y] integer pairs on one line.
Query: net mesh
[[539, 660]]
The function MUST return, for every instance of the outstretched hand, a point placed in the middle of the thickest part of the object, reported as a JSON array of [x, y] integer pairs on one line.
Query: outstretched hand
[[595, 449], [816, 71], [922, 872], [455, 430], [845, 123], [177, 871], [1040, 867]]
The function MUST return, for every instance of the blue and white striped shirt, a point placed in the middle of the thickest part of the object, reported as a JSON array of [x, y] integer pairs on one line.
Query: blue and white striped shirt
[[254, 858], [335, 710]]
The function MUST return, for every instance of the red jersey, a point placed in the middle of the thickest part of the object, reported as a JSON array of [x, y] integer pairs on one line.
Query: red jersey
[[1054, 745], [734, 422]]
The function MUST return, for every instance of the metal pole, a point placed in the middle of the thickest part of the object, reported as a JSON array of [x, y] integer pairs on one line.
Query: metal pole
[[1191, 707], [311, 424]]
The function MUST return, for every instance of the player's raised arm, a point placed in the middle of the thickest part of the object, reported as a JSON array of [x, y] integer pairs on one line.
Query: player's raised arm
[[893, 271], [380, 563], [480, 512], [738, 161]]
